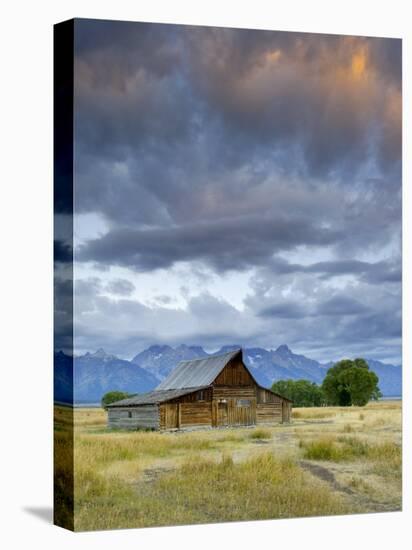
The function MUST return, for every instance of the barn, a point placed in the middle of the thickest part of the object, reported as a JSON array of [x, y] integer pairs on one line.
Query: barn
[[215, 391]]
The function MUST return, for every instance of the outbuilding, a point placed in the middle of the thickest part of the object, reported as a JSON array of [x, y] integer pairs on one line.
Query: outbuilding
[[215, 391]]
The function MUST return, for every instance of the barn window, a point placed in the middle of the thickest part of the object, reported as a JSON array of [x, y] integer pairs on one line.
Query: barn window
[[129, 414], [201, 395], [243, 402]]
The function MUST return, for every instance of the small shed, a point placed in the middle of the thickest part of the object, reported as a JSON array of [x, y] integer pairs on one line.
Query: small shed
[[214, 391]]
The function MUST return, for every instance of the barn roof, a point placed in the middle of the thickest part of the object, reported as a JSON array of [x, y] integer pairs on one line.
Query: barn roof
[[154, 397], [197, 372], [187, 377]]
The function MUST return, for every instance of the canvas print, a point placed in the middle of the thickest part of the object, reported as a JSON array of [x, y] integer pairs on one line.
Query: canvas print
[[227, 258]]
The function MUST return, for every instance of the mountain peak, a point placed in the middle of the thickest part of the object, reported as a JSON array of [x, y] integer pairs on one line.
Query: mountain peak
[[101, 354], [284, 349], [182, 347], [197, 349], [227, 348], [156, 348]]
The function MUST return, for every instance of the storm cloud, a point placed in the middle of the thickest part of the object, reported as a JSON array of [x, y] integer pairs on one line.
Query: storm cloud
[[225, 244], [263, 161]]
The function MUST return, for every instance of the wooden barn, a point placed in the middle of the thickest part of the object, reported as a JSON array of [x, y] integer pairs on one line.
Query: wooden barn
[[214, 391]]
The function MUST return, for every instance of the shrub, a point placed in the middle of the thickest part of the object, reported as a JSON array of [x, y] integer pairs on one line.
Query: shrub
[[322, 449], [260, 433]]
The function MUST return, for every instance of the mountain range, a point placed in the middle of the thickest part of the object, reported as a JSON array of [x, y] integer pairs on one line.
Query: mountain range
[[99, 372]]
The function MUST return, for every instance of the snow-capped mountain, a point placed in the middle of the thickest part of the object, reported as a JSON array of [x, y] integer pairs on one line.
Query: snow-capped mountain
[[267, 366], [100, 372], [94, 374], [160, 360]]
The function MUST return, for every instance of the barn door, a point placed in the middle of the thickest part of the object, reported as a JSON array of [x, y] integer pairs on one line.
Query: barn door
[[244, 412], [222, 416], [171, 416]]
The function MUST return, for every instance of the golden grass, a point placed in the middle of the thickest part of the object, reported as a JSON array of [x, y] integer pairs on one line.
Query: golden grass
[[63, 450], [135, 479], [307, 413], [100, 449], [385, 455], [348, 428], [90, 417], [205, 491]]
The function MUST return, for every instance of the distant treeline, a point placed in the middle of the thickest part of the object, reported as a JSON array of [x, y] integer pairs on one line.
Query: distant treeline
[[348, 382]]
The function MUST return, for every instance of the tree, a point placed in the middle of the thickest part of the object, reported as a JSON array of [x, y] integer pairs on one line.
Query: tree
[[350, 382], [112, 396], [303, 393]]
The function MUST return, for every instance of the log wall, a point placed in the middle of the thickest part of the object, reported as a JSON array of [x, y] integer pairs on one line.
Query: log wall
[[266, 396], [267, 413], [195, 414], [234, 374], [130, 418]]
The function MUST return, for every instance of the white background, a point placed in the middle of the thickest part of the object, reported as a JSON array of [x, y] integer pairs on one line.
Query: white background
[[26, 271]]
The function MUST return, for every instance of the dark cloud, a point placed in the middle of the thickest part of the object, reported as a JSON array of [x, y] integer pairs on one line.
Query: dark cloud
[[223, 148], [209, 102], [285, 310], [63, 252], [63, 314], [373, 273], [338, 305], [341, 305], [121, 287], [227, 244]]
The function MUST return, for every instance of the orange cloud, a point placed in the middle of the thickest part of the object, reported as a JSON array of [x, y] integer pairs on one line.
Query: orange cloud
[[359, 64]]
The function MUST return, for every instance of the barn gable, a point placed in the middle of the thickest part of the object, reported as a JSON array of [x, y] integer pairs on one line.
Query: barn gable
[[197, 372], [235, 373], [226, 369]]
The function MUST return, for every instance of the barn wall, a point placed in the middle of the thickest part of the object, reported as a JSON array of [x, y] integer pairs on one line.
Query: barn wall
[[234, 406], [234, 374], [180, 415], [199, 395], [224, 392], [267, 413], [266, 396], [143, 416], [195, 414], [286, 411]]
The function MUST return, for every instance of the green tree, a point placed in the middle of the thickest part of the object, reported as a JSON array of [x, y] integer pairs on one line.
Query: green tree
[[303, 393], [350, 382], [112, 396]]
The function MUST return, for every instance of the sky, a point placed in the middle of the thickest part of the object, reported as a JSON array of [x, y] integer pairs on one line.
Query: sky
[[237, 187]]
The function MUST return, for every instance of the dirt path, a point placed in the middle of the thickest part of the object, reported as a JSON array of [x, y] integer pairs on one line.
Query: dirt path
[[364, 502], [325, 475]]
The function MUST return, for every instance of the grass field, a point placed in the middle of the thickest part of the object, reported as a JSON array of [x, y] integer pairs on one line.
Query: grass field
[[327, 461]]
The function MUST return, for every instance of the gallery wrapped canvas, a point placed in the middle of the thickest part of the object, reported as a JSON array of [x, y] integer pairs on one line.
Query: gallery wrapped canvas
[[227, 268]]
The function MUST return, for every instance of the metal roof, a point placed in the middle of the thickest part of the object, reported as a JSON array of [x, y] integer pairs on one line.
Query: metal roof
[[153, 397], [197, 372]]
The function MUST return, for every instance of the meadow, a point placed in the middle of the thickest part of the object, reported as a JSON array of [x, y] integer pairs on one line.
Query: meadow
[[327, 461]]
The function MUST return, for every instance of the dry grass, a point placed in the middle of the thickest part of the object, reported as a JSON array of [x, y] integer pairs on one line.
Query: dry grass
[[351, 448], [205, 491], [309, 413], [90, 417], [260, 433], [63, 467], [133, 479]]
